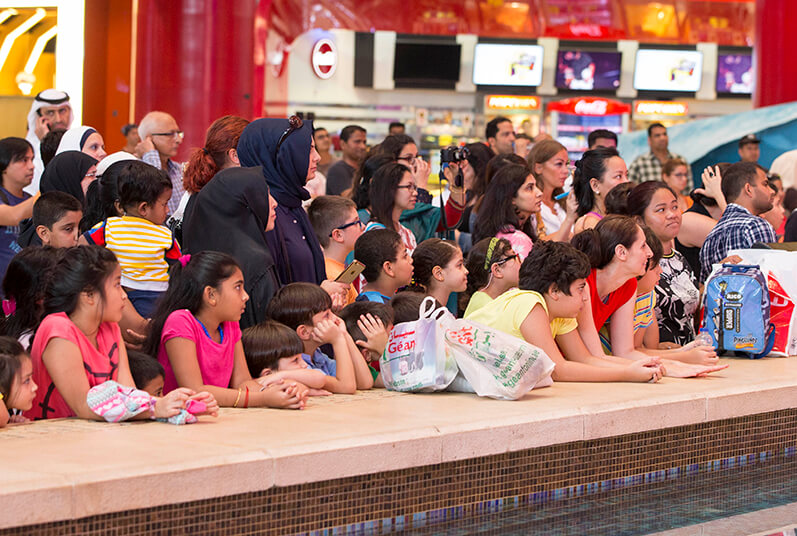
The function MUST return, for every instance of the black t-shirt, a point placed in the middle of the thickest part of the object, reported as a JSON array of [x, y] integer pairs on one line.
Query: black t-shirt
[[790, 234]]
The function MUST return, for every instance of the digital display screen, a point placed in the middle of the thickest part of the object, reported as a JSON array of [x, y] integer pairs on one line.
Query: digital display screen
[[668, 70], [735, 73], [582, 71], [507, 65]]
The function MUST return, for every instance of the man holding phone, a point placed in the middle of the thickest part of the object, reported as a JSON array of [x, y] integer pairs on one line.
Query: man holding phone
[[50, 110]]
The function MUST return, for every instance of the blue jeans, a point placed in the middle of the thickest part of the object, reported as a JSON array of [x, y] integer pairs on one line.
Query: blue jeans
[[144, 301]]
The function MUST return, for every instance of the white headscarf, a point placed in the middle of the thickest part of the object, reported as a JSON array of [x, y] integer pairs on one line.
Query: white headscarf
[[48, 97], [118, 156], [74, 139]]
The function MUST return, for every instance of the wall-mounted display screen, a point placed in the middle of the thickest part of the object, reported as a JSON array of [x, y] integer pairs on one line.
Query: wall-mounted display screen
[[507, 65], [735, 73], [581, 70], [668, 70], [427, 62]]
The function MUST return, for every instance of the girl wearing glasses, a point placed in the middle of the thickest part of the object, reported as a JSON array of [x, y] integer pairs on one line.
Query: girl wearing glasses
[[493, 268], [393, 190], [675, 174]]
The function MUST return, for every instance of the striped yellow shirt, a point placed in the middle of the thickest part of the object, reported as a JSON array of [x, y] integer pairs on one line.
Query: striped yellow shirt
[[141, 247]]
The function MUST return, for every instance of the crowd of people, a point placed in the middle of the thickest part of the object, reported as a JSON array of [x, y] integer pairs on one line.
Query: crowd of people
[[266, 270]]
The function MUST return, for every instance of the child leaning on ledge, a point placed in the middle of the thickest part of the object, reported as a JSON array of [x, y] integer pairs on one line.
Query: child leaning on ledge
[[197, 338], [369, 324], [307, 309]]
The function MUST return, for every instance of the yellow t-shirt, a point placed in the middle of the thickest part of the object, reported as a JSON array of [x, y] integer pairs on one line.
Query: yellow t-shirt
[[334, 269], [478, 300], [508, 311]]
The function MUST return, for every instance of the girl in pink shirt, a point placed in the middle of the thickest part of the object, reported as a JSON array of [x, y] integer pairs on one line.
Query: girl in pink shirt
[[197, 339], [78, 345]]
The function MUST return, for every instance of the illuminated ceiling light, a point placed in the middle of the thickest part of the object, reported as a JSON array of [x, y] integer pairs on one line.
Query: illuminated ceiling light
[[660, 14], [38, 48], [12, 36], [7, 14]]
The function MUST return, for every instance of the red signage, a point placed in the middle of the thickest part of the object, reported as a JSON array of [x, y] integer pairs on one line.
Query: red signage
[[589, 106], [324, 59]]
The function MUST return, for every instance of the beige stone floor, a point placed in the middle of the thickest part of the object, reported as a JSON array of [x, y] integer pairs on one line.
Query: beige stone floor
[[70, 468]]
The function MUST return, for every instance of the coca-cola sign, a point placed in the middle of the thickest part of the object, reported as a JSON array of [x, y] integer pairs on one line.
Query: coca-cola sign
[[589, 106]]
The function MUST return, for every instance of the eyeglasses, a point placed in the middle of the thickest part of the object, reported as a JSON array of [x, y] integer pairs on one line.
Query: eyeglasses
[[174, 133], [294, 123], [409, 158], [506, 259], [356, 222], [410, 187]]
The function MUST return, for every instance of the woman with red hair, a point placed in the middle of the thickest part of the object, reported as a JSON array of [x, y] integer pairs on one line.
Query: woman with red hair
[[219, 152]]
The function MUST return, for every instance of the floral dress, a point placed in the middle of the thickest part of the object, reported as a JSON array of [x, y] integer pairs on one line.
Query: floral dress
[[677, 300]]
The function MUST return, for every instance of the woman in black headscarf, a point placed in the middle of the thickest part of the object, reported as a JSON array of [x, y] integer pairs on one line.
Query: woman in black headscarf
[[231, 214], [285, 151], [70, 172]]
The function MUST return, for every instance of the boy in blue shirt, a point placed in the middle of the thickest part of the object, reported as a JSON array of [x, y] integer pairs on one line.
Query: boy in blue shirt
[[307, 309], [388, 265]]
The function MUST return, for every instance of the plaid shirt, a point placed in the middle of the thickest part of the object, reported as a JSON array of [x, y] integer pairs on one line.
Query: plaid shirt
[[737, 229], [647, 167], [175, 172]]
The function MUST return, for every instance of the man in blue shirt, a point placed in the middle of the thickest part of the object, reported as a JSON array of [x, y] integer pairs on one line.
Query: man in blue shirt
[[746, 188]]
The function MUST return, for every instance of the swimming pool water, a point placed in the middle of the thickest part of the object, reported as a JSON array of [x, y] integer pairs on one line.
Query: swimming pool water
[[644, 509]]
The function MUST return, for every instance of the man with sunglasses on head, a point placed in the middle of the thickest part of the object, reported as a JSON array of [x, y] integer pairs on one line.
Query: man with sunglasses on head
[[50, 110], [160, 139]]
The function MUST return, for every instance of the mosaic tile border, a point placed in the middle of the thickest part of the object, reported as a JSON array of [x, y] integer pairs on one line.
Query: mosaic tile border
[[395, 500]]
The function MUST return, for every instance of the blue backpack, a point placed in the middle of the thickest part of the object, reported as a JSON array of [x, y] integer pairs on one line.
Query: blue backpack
[[736, 311]]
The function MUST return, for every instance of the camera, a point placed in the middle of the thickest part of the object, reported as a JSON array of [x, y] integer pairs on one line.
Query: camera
[[453, 153]]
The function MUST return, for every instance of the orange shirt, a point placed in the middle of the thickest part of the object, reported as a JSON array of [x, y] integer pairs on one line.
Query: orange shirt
[[334, 269]]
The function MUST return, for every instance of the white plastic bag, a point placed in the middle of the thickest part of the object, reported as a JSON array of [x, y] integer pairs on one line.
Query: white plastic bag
[[494, 363], [417, 358], [780, 269]]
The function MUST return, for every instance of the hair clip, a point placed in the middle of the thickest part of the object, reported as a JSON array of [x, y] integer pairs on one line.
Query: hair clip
[[490, 248], [9, 307], [184, 259]]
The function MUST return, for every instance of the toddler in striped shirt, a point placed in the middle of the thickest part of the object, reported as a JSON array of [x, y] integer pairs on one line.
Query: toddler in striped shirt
[[143, 245]]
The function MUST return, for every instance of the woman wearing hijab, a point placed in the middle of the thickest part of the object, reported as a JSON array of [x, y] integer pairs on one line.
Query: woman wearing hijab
[[84, 139], [69, 172], [231, 214], [285, 151]]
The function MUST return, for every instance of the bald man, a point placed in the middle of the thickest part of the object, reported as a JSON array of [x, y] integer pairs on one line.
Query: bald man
[[160, 139]]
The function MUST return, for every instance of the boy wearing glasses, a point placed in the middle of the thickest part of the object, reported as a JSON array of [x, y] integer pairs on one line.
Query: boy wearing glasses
[[337, 227]]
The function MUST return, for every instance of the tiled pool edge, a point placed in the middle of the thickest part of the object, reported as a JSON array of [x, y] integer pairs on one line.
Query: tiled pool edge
[[467, 487], [444, 515]]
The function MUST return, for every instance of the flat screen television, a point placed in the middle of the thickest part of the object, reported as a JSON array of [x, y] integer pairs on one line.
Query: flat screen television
[[668, 70], [581, 70], [507, 65], [735, 73], [426, 64]]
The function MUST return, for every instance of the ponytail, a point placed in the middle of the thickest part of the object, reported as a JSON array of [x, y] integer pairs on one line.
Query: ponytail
[[187, 282], [206, 161], [600, 243], [429, 253]]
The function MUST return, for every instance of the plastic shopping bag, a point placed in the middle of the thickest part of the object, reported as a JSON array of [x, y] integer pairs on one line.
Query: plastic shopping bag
[[417, 357], [496, 364]]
